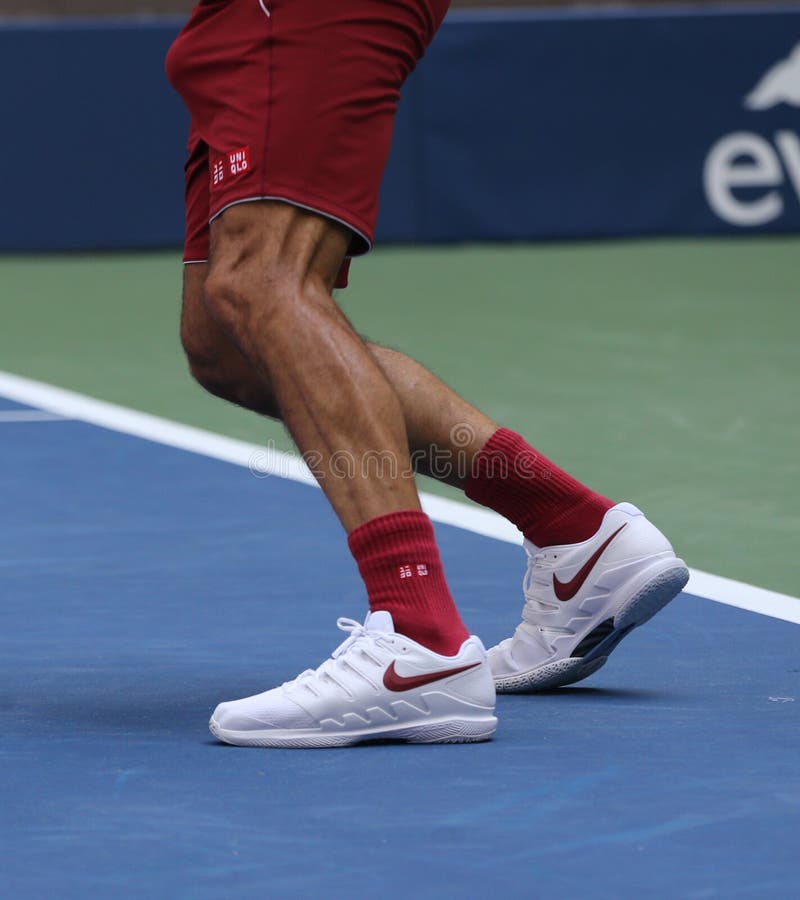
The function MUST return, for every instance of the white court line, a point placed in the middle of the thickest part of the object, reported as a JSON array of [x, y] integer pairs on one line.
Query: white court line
[[283, 465], [9, 416]]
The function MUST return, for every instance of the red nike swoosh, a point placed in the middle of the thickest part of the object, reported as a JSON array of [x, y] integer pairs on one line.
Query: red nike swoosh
[[394, 682], [566, 590]]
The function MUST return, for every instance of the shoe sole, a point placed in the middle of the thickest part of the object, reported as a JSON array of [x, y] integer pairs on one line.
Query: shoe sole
[[447, 731], [596, 646]]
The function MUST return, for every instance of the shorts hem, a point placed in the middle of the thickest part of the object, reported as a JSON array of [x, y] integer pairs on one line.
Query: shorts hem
[[285, 198]]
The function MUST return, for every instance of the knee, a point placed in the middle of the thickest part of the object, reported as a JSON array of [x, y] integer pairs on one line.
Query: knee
[[229, 300], [273, 267], [248, 300], [262, 301]]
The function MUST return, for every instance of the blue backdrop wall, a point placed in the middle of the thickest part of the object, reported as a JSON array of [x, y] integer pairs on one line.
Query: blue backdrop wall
[[517, 125]]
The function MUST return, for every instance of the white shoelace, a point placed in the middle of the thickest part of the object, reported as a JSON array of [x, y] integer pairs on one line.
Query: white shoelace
[[338, 661], [535, 605], [356, 631]]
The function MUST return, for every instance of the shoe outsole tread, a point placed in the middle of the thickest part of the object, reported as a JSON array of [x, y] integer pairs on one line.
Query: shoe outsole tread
[[447, 732]]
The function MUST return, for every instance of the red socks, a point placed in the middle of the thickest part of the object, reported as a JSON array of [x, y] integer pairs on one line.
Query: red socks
[[547, 505], [399, 561]]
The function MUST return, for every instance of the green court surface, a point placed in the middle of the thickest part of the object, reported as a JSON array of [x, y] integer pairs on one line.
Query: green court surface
[[666, 372]]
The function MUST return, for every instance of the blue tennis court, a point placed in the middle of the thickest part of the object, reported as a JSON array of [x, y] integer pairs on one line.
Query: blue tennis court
[[142, 584]]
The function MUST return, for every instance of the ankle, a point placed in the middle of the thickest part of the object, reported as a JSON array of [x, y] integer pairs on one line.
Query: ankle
[[399, 561], [547, 504]]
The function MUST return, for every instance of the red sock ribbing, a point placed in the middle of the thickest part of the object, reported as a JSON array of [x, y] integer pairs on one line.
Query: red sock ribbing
[[547, 505], [399, 561]]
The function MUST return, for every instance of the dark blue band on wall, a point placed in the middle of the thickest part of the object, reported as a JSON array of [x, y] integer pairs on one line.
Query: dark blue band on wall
[[516, 125], [93, 138], [654, 122]]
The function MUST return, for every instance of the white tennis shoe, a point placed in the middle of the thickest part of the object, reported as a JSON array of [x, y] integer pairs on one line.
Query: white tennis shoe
[[377, 685], [582, 599]]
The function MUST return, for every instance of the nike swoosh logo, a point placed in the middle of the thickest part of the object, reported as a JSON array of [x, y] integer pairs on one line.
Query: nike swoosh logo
[[394, 682], [566, 590]]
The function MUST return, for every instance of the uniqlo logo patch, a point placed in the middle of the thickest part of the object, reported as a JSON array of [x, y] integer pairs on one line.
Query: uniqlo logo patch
[[232, 165], [408, 571], [218, 172]]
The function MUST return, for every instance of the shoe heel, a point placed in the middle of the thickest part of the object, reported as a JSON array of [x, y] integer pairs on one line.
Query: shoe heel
[[653, 596]]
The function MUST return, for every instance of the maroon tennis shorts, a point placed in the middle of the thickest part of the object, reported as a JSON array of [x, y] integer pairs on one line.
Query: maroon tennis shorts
[[294, 100]]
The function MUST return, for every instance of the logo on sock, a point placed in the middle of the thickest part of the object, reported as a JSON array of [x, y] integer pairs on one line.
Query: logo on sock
[[566, 590], [408, 572], [394, 682]]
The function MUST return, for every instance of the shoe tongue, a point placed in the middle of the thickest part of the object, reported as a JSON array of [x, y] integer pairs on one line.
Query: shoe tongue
[[379, 621]]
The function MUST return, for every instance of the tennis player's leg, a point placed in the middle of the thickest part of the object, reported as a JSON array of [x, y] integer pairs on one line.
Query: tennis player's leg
[[286, 204], [269, 284], [272, 271]]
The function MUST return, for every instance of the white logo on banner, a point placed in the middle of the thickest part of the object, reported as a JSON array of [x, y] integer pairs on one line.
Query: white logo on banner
[[767, 166], [780, 84]]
